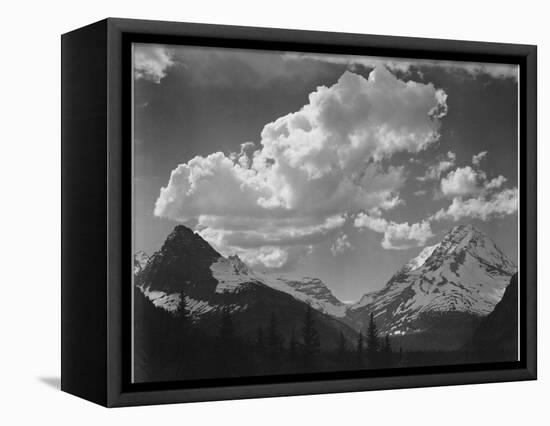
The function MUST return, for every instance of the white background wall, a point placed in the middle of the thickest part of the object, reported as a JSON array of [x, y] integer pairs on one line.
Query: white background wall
[[30, 200]]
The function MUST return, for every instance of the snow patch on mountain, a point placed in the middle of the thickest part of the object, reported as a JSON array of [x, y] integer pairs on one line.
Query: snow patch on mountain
[[140, 260], [419, 260], [193, 307], [310, 290], [232, 274], [160, 299]]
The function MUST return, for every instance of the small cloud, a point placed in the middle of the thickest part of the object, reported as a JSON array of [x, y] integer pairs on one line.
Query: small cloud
[[397, 236], [476, 159], [151, 61], [341, 245], [496, 182], [435, 171], [420, 192], [460, 182]]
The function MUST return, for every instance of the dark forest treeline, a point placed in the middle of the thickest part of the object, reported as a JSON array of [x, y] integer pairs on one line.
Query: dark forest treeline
[[168, 346]]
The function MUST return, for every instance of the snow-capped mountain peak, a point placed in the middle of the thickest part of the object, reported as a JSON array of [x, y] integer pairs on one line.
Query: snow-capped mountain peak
[[465, 273], [418, 261]]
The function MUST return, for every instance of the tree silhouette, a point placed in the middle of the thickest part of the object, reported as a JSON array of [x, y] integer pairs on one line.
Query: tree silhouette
[[311, 343], [373, 341], [227, 344], [359, 351], [386, 351], [274, 343], [342, 350], [226, 331], [259, 343], [293, 351]]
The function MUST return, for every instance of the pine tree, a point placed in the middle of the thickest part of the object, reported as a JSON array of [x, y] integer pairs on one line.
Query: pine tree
[[373, 341], [260, 342], [293, 351], [293, 346], [226, 331], [181, 313], [310, 336], [359, 351], [387, 344], [273, 343], [342, 350], [227, 344], [386, 351], [273, 335], [179, 329]]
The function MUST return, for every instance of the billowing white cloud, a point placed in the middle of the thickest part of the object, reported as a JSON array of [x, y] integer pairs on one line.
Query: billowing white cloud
[[340, 245], [311, 168], [482, 207], [397, 236], [460, 182], [476, 159], [443, 164], [151, 61]]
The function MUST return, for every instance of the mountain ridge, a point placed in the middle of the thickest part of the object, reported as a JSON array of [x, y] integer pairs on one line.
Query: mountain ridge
[[463, 276]]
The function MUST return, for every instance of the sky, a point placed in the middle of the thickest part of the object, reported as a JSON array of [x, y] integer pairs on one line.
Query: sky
[[337, 167]]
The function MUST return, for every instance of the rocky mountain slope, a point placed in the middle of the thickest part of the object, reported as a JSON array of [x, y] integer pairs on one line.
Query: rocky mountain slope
[[496, 338]]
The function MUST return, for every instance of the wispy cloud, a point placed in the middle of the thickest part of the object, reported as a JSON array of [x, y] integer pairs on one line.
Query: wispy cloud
[[476, 159], [470, 69]]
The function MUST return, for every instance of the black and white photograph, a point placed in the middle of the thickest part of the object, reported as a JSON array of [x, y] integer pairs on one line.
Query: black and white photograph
[[300, 213]]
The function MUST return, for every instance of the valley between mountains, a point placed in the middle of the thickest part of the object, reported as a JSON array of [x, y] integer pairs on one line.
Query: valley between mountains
[[198, 314]]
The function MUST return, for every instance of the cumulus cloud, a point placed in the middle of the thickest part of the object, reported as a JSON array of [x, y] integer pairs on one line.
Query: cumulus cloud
[[397, 236], [468, 69], [443, 164], [476, 159], [151, 61], [460, 182], [482, 207], [465, 181], [495, 182], [340, 245], [475, 196], [311, 169]]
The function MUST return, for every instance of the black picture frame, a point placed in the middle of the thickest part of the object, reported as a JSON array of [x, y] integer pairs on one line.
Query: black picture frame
[[96, 211]]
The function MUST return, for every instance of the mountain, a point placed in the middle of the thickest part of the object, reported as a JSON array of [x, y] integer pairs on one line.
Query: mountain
[[434, 302], [437, 299], [140, 260], [188, 273], [496, 338]]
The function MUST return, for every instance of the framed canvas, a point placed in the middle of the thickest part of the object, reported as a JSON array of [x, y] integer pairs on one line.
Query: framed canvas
[[252, 212]]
